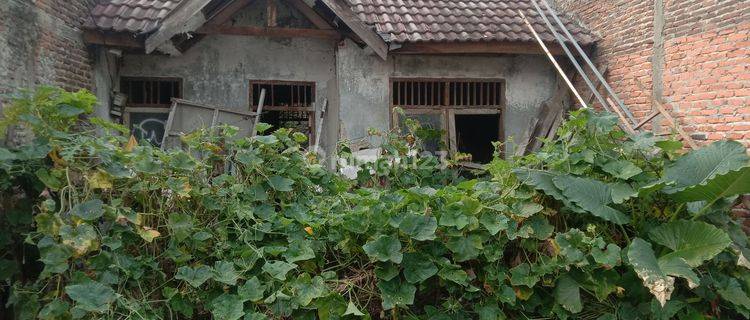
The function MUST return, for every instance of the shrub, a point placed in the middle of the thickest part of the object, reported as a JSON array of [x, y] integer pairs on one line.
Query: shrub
[[596, 225]]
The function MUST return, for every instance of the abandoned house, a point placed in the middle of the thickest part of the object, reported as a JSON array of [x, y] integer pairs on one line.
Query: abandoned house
[[470, 69], [335, 68]]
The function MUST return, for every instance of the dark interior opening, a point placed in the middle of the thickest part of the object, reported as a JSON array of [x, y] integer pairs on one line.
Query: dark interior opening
[[475, 134]]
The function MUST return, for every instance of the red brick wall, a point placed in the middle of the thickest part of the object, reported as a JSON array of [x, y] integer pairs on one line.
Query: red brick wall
[[41, 43], [706, 67]]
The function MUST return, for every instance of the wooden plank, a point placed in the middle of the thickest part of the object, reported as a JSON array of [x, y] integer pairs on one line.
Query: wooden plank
[[206, 106], [646, 120], [226, 12], [310, 14], [111, 39], [526, 138], [187, 16], [270, 32], [624, 123], [271, 13], [363, 31], [604, 71], [493, 47], [672, 122], [552, 59]]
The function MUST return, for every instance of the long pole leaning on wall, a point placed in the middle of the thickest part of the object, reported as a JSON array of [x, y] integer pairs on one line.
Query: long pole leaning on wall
[[259, 111], [552, 59], [585, 57]]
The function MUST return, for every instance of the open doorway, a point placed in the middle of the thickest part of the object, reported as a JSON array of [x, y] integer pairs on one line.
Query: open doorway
[[475, 133]]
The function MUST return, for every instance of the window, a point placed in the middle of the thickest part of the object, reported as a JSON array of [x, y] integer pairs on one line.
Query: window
[[466, 111], [147, 105], [287, 104]]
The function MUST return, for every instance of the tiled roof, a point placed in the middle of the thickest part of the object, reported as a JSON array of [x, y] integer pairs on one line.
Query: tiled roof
[[136, 16], [403, 21], [398, 21]]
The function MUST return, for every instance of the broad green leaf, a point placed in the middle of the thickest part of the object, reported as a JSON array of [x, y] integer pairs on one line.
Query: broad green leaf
[[454, 216], [89, 210], [331, 307], [521, 275], [54, 256], [91, 296], [384, 248], [592, 195], [465, 247], [251, 290], [224, 272], [54, 310], [609, 257], [621, 192], [195, 277], [540, 180], [298, 250], [494, 222], [733, 293], [280, 183], [181, 225], [645, 264], [396, 293], [255, 316], [227, 307], [489, 311], [454, 273], [419, 227], [567, 294], [386, 271], [82, 239], [278, 269], [418, 267], [678, 267], [309, 289], [709, 173], [622, 169], [6, 155], [526, 209], [693, 241]]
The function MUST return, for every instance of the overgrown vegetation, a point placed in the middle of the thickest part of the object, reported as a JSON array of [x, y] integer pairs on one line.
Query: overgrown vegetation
[[598, 225]]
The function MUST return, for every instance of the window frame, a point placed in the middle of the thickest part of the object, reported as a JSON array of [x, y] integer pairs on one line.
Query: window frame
[[146, 108], [311, 112], [449, 110]]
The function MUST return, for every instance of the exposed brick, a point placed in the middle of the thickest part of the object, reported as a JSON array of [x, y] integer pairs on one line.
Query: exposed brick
[[706, 53]]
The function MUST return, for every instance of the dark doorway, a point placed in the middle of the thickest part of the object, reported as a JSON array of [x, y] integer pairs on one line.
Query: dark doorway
[[475, 134]]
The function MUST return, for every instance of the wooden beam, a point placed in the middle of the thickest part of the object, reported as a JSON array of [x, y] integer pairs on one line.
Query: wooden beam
[[310, 14], [227, 11], [363, 31], [187, 17], [269, 32], [271, 13], [494, 47], [125, 40]]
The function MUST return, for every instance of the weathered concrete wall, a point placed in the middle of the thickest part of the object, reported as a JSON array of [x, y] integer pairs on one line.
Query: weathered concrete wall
[[364, 84], [218, 69]]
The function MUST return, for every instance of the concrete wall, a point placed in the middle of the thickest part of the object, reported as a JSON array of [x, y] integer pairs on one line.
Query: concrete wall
[[218, 69], [364, 84]]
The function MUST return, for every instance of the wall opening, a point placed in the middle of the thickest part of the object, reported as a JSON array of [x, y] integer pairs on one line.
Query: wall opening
[[475, 134], [447, 108], [147, 104], [287, 104]]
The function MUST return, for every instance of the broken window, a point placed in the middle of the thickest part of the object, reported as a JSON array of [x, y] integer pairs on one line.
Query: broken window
[[147, 105], [466, 111], [287, 104]]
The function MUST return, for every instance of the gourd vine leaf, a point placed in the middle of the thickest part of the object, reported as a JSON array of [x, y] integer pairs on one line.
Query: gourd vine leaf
[[89, 210], [194, 276], [278, 269], [227, 307], [419, 227], [224, 272], [384, 248], [418, 267], [91, 296], [567, 294], [591, 195], [396, 293]]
